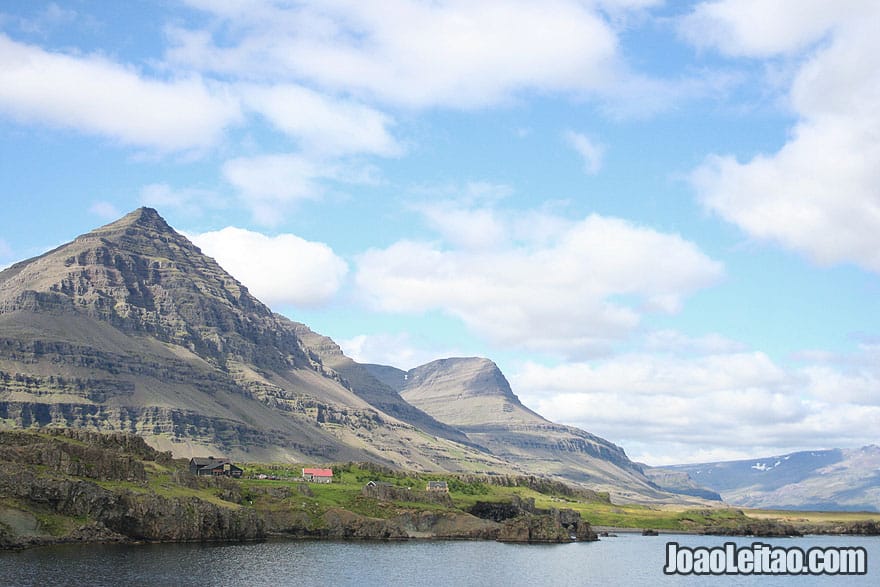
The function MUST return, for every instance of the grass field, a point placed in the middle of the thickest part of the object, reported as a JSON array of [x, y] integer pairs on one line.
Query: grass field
[[813, 517], [349, 480]]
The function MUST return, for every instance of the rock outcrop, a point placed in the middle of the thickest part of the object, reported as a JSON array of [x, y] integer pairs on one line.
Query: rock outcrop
[[521, 521], [95, 488]]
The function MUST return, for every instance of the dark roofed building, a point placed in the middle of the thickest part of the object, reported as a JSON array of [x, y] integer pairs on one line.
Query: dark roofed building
[[438, 486], [214, 467]]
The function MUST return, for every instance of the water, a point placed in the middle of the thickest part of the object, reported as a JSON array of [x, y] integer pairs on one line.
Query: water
[[629, 559]]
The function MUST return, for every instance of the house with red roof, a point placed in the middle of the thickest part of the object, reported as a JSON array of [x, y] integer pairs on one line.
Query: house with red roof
[[318, 475]]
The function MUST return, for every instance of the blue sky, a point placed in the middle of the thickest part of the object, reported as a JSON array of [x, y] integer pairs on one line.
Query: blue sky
[[660, 219]]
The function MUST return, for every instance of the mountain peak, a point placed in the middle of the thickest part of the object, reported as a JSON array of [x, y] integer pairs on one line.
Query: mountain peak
[[483, 375], [142, 276], [144, 218]]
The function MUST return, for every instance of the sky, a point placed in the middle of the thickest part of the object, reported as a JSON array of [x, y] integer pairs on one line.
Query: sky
[[660, 219]]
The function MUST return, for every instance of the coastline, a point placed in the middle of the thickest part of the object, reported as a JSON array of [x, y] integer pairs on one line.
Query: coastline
[[72, 486]]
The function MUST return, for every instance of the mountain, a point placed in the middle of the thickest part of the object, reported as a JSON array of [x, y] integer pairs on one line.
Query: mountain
[[372, 389], [473, 395], [679, 482], [836, 479], [131, 328]]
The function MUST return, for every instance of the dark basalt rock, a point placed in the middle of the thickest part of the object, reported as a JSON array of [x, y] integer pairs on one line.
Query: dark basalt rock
[[759, 528], [58, 473], [523, 522]]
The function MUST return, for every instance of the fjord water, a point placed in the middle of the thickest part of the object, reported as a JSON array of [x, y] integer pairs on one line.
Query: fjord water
[[629, 559]]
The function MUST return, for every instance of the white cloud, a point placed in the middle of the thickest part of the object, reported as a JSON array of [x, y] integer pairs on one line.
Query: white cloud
[[278, 270], [590, 151], [323, 125], [573, 293], [854, 379], [397, 350], [268, 184], [104, 210], [666, 408], [97, 96], [448, 53], [819, 193], [675, 342], [469, 229], [50, 18], [652, 374], [764, 28], [190, 201]]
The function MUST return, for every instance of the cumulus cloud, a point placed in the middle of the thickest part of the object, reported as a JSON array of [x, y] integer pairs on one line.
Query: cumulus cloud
[[590, 151], [675, 342], [819, 193], [469, 229], [278, 270], [187, 200], [666, 407], [104, 210], [322, 124], [765, 28], [95, 95], [404, 52], [268, 184], [48, 19], [395, 349], [573, 293]]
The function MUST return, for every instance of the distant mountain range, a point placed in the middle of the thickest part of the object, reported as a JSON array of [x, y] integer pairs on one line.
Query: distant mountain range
[[836, 479], [132, 328]]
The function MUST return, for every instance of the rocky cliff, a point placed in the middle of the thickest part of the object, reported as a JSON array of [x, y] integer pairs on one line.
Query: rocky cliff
[[82, 486]]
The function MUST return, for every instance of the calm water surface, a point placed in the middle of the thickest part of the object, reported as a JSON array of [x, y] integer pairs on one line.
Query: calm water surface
[[626, 560]]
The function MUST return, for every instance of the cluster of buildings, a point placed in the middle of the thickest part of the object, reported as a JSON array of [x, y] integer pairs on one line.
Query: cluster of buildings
[[221, 467]]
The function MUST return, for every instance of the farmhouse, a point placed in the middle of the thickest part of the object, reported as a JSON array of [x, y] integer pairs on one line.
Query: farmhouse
[[438, 486], [318, 475], [214, 467]]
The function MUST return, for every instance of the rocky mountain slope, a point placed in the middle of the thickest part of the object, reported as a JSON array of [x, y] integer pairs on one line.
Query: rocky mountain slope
[[131, 328], [473, 395], [371, 389], [836, 479]]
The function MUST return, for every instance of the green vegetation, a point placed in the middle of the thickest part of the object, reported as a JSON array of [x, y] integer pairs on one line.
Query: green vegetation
[[349, 480], [285, 503], [813, 517]]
